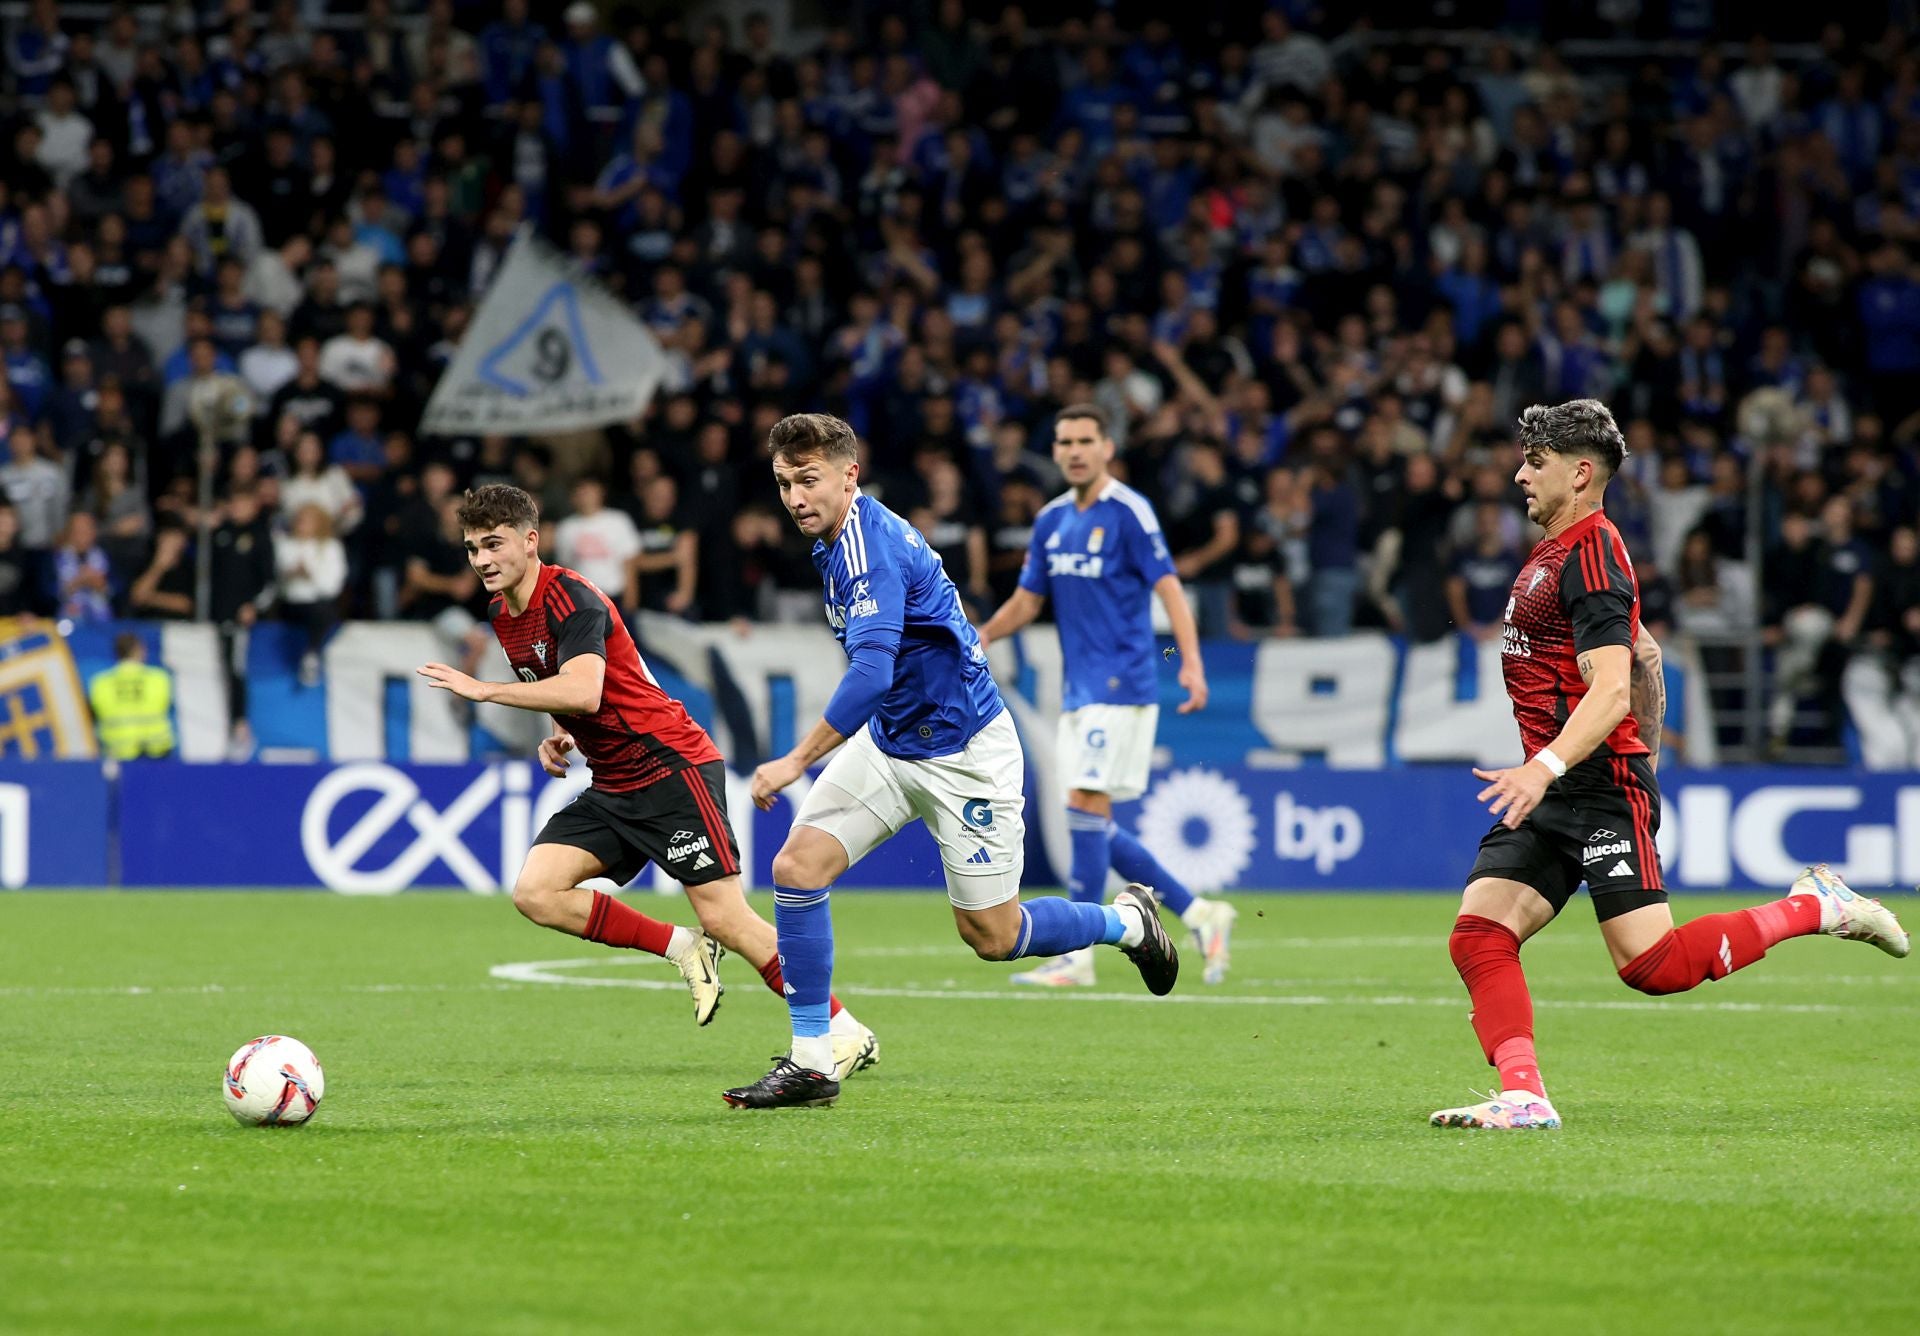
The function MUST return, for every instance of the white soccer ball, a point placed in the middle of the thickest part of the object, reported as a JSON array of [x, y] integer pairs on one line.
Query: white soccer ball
[[274, 1081]]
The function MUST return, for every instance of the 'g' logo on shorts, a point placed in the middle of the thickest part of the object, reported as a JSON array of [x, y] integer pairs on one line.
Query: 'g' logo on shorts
[[978, 813], [1097, 739]]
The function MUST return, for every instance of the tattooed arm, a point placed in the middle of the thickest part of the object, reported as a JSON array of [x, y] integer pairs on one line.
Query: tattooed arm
[[1647, 692]]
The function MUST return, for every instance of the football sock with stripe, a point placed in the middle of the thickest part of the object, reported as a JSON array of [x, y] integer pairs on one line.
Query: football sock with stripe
[[615, 924], [1487, 954], [1051, 925], [804, 924], [1135, 862], [1087, 879], [771, 976], [1715, 945]]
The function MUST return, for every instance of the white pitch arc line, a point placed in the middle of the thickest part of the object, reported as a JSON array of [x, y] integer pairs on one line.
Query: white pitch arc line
[[545, 972]]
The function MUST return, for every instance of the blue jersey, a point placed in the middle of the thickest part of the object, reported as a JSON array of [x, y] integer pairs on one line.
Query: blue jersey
[[886, 589], [1099, 566]]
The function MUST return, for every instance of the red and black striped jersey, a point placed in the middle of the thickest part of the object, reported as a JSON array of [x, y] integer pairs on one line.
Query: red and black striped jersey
[[639, 735], [1577, 592]]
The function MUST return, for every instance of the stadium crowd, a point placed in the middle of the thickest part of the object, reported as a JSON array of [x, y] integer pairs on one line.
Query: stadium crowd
[[1310, 273]]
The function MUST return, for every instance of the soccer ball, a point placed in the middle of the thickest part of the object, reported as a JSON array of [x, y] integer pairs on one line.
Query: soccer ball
[[275, 1081]]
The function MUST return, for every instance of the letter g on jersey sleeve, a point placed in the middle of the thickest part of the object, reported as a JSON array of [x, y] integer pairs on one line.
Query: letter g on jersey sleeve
[[1598, 591]]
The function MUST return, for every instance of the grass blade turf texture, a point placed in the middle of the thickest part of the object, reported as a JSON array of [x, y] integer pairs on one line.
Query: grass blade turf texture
[[498, 1152]]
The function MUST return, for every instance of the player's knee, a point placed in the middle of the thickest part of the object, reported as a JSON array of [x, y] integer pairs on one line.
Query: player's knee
[[533, 899], [798, 871], [988, 941], [1474, 937], [1655, 984]]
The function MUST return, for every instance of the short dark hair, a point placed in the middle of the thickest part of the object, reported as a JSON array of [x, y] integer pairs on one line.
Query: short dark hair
[[1577, 427], [486, 508], [801, 434], [127, 644], [1092, 412]]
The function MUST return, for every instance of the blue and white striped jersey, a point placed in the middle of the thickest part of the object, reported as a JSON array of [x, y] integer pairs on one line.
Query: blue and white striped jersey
[[886, 589], [1099, 566]]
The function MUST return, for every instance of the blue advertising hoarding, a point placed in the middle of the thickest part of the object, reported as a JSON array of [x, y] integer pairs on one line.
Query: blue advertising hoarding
[[376, 828], [54, 827], [372, 828]]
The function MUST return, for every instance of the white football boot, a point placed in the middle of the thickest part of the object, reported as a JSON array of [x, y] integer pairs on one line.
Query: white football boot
[[1845, 913], [1211, 924], [1073, 970], [854, 1051], [1504, 1111], [699, 965]]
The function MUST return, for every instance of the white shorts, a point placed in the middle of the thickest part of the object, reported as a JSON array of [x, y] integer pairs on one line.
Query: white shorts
[[1108, 749], [973, 801]]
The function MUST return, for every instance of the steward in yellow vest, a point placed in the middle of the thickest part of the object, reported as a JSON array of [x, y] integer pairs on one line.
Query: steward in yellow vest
[[133, 703]]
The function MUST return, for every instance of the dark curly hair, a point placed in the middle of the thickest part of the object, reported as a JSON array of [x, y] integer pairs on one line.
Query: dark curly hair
[[487, 508], [1577, 427]]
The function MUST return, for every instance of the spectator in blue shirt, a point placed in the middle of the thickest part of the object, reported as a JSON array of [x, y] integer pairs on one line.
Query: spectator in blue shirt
[[28, 375], [507, 52], [589, 55], [1090, 107], [1889, 307], [1333, 540], [358, 448]]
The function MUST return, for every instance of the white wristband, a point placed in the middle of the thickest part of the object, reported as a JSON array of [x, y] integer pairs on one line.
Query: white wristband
[[1546, 757]]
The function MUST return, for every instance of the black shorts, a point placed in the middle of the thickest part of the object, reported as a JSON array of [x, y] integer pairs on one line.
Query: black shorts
[[1597, 825], [679, 822]]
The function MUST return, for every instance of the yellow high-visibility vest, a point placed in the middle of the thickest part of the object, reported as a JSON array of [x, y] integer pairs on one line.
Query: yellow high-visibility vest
[[133, 710]]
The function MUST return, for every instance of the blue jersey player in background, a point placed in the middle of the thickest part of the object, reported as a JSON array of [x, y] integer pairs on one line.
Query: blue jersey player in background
[[1098, 553], [928, 737]]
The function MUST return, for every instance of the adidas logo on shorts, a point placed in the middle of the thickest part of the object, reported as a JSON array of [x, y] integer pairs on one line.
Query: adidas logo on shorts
[[1620, 869], [980, 857], [703, 861]]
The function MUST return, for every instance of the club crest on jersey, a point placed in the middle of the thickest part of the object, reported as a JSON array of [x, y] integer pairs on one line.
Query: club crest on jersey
[[1095, 539], [540, 652], [1539, 574], [1053, 541]]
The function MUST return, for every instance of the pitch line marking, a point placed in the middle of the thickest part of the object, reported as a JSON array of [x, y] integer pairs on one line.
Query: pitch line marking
[[548, 972]]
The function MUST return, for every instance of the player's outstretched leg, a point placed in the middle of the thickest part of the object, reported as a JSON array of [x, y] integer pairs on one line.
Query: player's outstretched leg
[[728, 918], [803, 873], [1086, 884], [1487, 953], [1715, 945], [548, 892], [1050, 925], [1209, 921]]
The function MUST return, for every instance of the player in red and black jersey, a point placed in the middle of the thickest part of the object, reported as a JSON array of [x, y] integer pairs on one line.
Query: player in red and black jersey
[[1584, 678], [658, 792]]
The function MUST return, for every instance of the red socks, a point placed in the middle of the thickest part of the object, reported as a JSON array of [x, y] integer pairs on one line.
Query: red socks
[[1487, 954], [618, 924], [1519, 1068], [1715, 945], [771, 973]]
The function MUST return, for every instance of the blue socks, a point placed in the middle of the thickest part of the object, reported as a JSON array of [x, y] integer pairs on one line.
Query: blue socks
[[1087, 879], [804, 924], [1051, 926], [1132, 860]]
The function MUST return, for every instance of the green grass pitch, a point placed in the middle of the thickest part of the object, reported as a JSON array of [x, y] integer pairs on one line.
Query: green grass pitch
[[512, 1154]]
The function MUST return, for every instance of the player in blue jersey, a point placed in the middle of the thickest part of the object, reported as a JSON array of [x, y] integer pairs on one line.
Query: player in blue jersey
[[1097, 552], [927, 736]]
